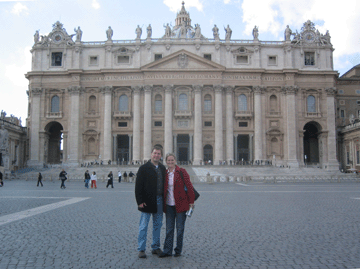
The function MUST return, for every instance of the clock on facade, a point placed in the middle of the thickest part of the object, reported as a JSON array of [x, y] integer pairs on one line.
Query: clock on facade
[[309, 36]]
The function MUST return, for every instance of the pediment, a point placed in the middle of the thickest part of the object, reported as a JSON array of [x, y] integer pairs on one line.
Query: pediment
[[183, 60]]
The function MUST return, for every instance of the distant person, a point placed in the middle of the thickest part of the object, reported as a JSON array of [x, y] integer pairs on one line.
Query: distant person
[[39, 180], [87, 179], [125, 176], [1, 179], [63, 177], [93, 180], [149, 193], [110, 180], [119, 175], [131, 176]]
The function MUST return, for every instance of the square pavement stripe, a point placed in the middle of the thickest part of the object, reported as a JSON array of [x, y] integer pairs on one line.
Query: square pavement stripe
[[38, 210]]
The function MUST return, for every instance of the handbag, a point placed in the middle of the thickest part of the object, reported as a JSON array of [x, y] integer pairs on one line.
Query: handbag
[[197, 195]]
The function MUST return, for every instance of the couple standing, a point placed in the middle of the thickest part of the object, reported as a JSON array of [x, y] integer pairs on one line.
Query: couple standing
[[158, 190]]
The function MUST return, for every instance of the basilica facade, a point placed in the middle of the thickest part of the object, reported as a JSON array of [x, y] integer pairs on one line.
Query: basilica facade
[[203, 98]]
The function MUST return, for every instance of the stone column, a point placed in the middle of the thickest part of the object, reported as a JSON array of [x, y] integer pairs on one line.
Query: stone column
[[107, 92], [74, 137], [191, 156], [258, 152], [168, 143], [175, 145], [35, 94], [114, 147], [130, 148], [331, 143], [251, 147], [218, 125], [291, 128], [229, 124], [147, 122], [236, 147], [136, 123], [198, 154], [65, 146]]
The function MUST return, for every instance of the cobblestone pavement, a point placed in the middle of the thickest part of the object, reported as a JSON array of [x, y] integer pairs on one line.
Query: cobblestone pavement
[[233, 226]]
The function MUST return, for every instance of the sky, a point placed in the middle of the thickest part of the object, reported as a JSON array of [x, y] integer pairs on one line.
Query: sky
[[20, 19]]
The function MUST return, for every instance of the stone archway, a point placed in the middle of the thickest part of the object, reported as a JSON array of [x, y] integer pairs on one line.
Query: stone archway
[[312, 131], [53, 148]]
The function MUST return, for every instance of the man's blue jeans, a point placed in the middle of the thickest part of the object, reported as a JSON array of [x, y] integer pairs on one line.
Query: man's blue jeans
[[171, 218], [157, 223]]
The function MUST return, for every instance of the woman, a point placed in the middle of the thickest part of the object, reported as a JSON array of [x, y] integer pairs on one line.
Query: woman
[[176, 203], [110, 180], [93, 180]]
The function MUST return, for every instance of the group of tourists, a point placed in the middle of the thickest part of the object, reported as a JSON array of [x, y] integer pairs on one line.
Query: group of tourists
[[159, 190]]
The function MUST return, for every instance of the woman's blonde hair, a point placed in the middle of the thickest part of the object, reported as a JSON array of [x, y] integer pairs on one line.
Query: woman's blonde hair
[[168, 155]]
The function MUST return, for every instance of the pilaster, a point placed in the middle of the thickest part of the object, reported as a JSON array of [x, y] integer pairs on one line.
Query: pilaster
[[168, 143], [136, 123], [198, 125], [218, 125], [229, 125], [147, 121]]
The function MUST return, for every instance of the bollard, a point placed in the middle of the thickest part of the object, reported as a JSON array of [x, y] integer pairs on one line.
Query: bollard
[[208, 178]]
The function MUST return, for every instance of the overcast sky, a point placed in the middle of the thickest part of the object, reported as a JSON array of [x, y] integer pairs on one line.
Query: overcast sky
[[20, 19]]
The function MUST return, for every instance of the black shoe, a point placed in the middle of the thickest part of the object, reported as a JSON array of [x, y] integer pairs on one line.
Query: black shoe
[[177, 255], [163, 255], [142, 254], [156, 251]]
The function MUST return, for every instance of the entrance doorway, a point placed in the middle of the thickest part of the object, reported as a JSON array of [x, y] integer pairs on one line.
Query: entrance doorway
[[243, 148], [311, 143], [53, 150], [208, 154], [183, 148], [122, 154]]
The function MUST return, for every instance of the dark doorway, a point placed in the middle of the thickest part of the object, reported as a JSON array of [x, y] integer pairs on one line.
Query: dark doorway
[[122, 154], [183, 146], [53, 150], [208, 153], [243, 148], [311, 143]]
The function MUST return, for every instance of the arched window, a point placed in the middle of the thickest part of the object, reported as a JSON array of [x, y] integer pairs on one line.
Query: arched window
[[242, 102], [92, 103], [207, 103], [158, 103], [273, 103], [183, 102], [55, 104], [311, 108], [123, 103], [91, 146]]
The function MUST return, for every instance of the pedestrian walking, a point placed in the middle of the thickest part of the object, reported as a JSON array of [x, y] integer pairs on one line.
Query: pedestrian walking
[[1, 179], [149, 191], [176, 202], [110, 180], [131, 176], [93, 180], [119, 175], [87, 179], [63, 177], [125, 176], [40, 180]]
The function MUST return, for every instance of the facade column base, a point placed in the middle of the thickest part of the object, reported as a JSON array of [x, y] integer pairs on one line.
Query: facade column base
[[34, 164], [217, 162], [197, 162], [293, 163], [72, 163], [230, 161], [331, 166]]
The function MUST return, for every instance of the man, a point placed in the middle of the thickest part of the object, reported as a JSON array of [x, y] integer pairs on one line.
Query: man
[[63, 177], [1, 180], [119, 175], [149, 191]]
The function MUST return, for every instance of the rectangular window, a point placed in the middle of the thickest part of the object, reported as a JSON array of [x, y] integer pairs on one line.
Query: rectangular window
[[358, 102], [123, 59], [158, 105], [93, 60], [272, 60], [122, 124], [158, 57], [242, 59], [208, 123], [342, 113], [158, 123], [347, 157], [207, 57], [56, 59], [357, 155], [309, 58], [357, 91], [243, 124], [341, 91]]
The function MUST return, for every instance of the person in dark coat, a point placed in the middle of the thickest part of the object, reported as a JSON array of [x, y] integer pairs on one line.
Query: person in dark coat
[[110, 180], [62, 177], [149, 191], [87, 179], [39, 180], [1, 179], [176, 202]]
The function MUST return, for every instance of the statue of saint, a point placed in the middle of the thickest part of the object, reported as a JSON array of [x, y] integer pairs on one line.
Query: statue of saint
[[215, 32], [327, 37], [228, 33], [149, 31], [78, 33], [167, 30], [36, 37], [255, 33], [287, 33], [138, 32], [4, 138], [3, 114], [109, 33], [197, 31], [297, 38]]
